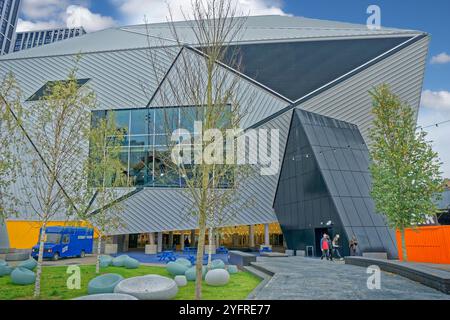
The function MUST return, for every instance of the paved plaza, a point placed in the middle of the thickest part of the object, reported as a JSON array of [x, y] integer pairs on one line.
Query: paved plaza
[[304, 278]]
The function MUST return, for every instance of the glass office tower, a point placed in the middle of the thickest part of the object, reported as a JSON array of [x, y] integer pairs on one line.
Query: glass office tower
[[9, 11], [31, 39]]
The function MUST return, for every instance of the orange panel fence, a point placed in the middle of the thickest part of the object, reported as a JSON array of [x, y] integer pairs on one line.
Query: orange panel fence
[[426, 244]]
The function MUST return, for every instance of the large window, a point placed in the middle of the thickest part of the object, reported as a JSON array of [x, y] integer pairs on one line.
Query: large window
[[145, 152]]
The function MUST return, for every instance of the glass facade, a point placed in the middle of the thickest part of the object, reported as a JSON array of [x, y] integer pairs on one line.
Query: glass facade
[[146, 151]]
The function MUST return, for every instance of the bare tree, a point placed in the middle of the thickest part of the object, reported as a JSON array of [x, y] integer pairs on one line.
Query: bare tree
[[201, 81], [59, 130], [104, 172], [11, 138]]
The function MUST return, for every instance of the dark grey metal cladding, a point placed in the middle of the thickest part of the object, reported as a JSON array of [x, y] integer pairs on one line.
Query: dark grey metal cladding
[[295, 69], [332, 183]]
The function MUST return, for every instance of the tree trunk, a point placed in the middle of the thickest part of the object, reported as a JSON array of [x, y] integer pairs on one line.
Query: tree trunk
[[404, 253], [211, 240], [99, 249], [200, 250], [37, 284]]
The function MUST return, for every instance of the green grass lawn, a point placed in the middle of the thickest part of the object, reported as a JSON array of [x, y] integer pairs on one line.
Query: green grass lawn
[[54, 286]]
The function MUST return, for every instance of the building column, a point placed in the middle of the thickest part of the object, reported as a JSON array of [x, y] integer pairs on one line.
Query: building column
[[170, 240], [160, 240], [266, 235], [251, 233], [182, 241], [126, 240], [151, 237], [192, 238]]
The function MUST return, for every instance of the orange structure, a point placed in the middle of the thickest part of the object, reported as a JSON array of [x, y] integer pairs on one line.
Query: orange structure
[[25, 234], [426, 244]]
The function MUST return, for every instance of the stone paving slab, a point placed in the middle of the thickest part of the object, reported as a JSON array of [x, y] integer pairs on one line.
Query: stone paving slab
[[298, 278]]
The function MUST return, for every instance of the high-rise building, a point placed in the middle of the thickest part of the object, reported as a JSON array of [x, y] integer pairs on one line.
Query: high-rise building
[[9, 10], [31, 39]]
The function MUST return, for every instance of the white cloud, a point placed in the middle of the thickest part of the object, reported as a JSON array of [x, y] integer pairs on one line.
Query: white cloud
[[24, 25], [441, 58], [44, 14], [81, 16], [157, 10], [43, 9], [438, 100]]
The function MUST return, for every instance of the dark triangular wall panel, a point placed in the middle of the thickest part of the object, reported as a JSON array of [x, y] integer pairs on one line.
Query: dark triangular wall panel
[[295, 69], [325, 178]]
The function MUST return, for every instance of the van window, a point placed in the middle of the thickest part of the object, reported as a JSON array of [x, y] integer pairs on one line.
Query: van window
[[66, 239], [52, 238]]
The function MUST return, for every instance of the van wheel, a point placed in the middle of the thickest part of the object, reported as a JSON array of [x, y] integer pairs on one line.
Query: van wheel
[[56, 256], [83, 254]]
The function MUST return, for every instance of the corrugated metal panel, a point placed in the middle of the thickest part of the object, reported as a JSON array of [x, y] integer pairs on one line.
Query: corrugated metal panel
[[350, 100], [153, 210], [260, 28], [122, 79], [257, 103]]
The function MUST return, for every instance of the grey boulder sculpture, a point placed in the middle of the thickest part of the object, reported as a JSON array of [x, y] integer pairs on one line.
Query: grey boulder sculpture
[[181, 281], [105, 261], [150, 287], [217, 264], [107, 296], [184, 262], [29, 264], [217, 277], [232, 269], [191, 274], [119, 261], [5, 270], [22, 276], [176, 269], [131, 263], [104, 283]]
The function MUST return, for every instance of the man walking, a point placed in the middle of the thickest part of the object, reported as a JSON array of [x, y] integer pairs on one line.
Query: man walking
[[325, 247], [335, 247]]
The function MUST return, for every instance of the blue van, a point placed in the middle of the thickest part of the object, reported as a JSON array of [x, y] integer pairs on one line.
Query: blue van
[[64, 242]]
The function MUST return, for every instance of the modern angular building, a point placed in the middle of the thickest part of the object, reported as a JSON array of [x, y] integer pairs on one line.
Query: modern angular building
[[31, 39], [310, 79], [9, 11]]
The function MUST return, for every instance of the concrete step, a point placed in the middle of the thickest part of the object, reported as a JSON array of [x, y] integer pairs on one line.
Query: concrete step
[[259, 266], [260, 274]]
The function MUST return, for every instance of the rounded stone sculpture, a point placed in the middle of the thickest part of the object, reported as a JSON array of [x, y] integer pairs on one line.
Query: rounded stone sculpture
[[176, 269], [217, 264], [184, 262], [181, 281], [3, 262], [150, 287], [191, 274], [232, 269], [29, 264], [119, 261], [104, 283], [107, 296], [22, 276], [104, 264], [107, 260], [131, 263], [5, 270], [217, 277]]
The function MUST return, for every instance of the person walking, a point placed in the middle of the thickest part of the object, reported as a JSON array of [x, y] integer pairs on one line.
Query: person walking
[[325, 247], [353, 244], [335, 246], [330, 248]]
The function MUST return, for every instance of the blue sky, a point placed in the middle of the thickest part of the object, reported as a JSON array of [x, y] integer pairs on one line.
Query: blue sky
[[430, 16]]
